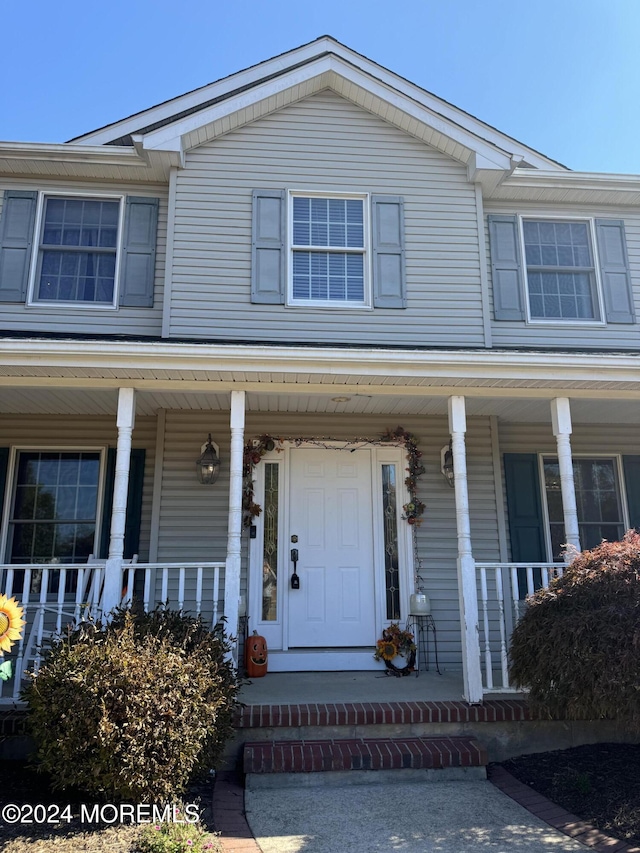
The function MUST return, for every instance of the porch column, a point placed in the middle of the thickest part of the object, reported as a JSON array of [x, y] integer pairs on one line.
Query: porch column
[[467, 591], [232, 566], [561, 422], [113, 572]]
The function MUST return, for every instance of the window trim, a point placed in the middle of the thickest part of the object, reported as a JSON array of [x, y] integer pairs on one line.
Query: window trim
[[32, 301], [622, 495], [590, 221], [366, 252], [10, 491]]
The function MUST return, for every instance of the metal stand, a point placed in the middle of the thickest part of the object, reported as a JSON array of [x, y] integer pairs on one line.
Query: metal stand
[[420, 625]]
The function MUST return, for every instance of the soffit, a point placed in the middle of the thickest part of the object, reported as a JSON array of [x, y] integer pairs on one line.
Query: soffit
[[103, 402], [571, 188]]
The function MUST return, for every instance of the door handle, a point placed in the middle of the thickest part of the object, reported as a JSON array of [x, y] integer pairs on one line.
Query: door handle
[[295, 580]]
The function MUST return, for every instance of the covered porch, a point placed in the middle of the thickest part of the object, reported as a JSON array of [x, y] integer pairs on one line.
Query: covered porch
[[194, 549]]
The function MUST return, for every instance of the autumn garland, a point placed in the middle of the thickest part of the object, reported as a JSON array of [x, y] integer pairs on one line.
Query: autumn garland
[[256, 449]]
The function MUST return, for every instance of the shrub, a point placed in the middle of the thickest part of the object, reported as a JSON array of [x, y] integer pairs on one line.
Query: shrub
[[577, 647], [176, 838], [134, 709]]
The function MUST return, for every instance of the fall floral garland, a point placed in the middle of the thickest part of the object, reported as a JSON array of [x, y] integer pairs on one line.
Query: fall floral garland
[[254, 451]]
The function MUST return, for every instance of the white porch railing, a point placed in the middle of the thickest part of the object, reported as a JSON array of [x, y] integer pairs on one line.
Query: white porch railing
[[55, 596], [502, 590]]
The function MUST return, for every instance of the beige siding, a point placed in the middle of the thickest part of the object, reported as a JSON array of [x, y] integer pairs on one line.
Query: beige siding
[[324, 143], [617, 336], [47, 318], [193, 518], [57, 431]]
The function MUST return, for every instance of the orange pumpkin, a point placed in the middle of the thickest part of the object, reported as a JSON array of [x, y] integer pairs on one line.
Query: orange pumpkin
[[255, 656]]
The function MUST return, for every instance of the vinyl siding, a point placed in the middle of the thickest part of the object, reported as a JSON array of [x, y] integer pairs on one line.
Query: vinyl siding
[[586, 439], [193, 518], [46, 318], [614, 336], [58, 431], [324, 143]]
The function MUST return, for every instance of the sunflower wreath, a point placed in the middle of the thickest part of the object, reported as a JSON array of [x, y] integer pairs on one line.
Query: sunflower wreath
[[396, 641]]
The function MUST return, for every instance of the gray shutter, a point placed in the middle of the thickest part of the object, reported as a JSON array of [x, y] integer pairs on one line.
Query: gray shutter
[[506, 268], [614, 271], [389, 284], [139, 252], [16, 238], [268, 247]]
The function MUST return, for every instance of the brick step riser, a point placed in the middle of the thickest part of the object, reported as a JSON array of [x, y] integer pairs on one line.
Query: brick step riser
[[362, 754]]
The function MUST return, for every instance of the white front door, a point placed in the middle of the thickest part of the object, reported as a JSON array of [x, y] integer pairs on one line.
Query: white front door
[[331, 514]]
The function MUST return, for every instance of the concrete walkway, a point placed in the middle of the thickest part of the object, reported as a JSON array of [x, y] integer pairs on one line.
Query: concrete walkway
[[408, 817]]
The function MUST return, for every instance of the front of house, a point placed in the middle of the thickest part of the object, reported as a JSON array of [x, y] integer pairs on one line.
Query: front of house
[[296, 261]]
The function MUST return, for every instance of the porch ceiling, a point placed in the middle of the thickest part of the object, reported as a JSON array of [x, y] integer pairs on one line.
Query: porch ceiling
[[91, 401]]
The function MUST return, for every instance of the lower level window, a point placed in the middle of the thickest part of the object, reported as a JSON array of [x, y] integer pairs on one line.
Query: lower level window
[[55, 499], [600, 514]]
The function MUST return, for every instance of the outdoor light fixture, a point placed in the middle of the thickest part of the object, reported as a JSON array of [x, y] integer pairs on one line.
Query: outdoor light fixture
[[208, 463], [446, 464]]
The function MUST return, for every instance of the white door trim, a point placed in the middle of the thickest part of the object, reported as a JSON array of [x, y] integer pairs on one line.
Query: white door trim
[[276, 631]]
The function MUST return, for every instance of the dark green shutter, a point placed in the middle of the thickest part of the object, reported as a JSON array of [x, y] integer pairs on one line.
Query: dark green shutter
[[389, 284], [614, 271], [506, 268], [134, 503], [631, 467], [139, 252], [16, 239], [268, 247], [526, 522]]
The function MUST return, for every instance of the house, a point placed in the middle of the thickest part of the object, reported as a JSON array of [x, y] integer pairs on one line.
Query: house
[[295, 260]]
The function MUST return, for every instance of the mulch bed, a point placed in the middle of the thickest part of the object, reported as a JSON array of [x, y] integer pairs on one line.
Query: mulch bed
[[24, 785], [599, 782]]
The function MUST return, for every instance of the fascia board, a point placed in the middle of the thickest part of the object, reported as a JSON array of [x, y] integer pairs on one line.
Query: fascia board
[[577, 180], [170, 137], [338, 361]]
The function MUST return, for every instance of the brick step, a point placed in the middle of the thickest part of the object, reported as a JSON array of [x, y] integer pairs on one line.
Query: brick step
[[379, 713], [311, 756]]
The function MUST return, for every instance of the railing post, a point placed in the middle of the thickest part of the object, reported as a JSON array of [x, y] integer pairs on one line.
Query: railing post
[[112, 593], [234, 541], [467, 588], [561, 422]]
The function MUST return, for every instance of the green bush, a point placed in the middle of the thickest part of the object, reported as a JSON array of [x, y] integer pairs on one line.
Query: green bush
[[176, 838], [577, 647], [132, 710]]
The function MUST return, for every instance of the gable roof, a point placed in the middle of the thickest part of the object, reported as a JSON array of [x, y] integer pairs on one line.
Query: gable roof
[[200, 116]]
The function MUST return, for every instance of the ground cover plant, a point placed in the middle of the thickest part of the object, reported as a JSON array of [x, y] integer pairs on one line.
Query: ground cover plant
[[577, 647], [133, 710], [600, 783]]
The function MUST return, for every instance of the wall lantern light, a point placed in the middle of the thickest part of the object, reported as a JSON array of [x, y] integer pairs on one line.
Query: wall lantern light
[[208, 463], [446, 464]]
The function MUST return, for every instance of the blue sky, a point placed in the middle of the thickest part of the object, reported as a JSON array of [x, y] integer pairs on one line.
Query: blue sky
[[563, 76]]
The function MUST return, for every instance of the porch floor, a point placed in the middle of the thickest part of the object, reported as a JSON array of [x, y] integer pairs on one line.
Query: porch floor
[[302, 688]]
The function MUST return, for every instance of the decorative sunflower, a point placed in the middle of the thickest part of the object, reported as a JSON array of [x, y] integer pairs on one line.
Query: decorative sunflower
[[385, 650], [11, 623]]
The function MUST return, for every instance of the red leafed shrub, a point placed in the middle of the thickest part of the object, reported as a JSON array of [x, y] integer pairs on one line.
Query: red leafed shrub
[[577, 646]]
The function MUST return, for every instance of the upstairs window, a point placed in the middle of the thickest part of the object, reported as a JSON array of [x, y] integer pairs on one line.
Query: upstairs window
[[328, 251], [77, 251], [561, 274]]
